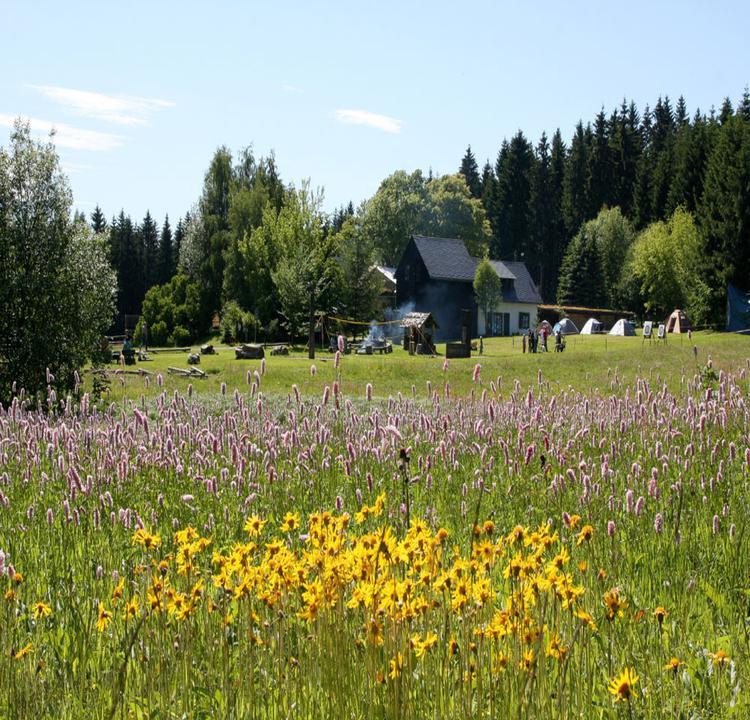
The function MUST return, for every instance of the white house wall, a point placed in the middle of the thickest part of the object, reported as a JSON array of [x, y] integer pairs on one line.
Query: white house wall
[[514, 310]]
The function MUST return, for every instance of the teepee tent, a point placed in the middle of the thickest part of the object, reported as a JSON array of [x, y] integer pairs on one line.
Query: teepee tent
[[623, 327], [566, 327], [677, 322], [592, 327]]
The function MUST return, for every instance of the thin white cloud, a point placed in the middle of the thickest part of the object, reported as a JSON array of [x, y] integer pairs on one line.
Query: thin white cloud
[[72, 168], [118, 109], [373, 120], [67, 136], [292, 89]]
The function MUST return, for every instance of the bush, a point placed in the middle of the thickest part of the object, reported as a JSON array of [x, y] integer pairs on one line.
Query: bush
[[159, 333], [236, 324], [180, 336]]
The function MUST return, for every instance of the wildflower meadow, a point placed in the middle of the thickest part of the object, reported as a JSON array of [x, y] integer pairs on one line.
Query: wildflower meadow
[[513, 550]]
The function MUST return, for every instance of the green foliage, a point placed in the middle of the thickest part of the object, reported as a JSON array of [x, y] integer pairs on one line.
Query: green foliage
[[178, 303], [724, 213], [487, 287], [593, 262], [180, 336], [237, 325], [407, 204], [159, 333], [470, 171], [666, 261], [581, 277], [305, 266], [511, 215], [56, 286], [359, 282]]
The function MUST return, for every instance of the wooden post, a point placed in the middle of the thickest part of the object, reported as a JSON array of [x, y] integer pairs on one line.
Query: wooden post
[[311, 328]]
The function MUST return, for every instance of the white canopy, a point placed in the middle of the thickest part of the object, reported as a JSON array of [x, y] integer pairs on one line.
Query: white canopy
[[592, 326], [623, 327]]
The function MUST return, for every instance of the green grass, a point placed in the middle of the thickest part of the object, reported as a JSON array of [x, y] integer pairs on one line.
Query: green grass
[[588, 362], [653, 455]]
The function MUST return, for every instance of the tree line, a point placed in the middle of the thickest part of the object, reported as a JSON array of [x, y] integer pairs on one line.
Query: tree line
[[540, 198], [571, 210]]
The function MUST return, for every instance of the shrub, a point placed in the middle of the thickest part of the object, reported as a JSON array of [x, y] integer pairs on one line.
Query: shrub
[[180, 336], [159, 333]]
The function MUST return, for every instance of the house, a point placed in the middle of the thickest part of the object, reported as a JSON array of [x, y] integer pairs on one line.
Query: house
[[436, 275]]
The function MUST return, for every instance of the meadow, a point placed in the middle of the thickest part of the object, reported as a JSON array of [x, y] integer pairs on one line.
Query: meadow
[[559, 536]]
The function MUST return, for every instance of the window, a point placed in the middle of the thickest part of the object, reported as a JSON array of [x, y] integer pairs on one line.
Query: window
[[523, 321]]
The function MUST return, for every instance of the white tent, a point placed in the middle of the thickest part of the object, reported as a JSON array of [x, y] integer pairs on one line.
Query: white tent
[[623, 327], [592, 327], [566, 326]]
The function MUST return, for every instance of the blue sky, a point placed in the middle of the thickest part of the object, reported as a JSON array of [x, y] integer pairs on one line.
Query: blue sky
[[345, 93]]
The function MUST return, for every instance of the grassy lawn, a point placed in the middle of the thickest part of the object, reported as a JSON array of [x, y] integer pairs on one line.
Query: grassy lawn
[[588, 362]]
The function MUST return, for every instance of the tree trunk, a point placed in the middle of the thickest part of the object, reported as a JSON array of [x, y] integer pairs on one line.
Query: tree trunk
[[311, 328]]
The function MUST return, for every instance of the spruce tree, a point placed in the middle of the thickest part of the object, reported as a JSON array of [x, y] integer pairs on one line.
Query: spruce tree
[[179, 235], [724, 213], [149, 240], [542, 203], [166, 253], [513, 198], [558, 156], [575, 203], [600, 170], [581, 281], [98, 221], [470, 171]]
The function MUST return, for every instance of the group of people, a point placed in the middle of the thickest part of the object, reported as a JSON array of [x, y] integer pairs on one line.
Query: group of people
[[537, 341]]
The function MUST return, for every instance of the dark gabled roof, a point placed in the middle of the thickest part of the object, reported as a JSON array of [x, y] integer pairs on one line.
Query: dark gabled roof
[[501, 269], [523, 289], [445, 258], [448, 259]]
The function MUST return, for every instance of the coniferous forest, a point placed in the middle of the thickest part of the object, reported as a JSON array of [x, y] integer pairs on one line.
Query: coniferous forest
[[641, 209]]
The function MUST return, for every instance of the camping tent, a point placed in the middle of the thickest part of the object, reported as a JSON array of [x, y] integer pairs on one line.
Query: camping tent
[[623, 327], [542, 324], [566, 327], [738, 309], [592, 327], [678, 322]]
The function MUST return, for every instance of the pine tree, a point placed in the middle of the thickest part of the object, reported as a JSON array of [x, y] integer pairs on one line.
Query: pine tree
[[581, 280], [693, 146], [98, 221], [743, 110], [575, 203], [681, 114], [179, 235], [726, 111], [558, 157], [542, 204], [126, 260], [662, 154], [512, 198], [724, 213], [470, 171], [166, 253], [600, 170], [149, 238], [625, 149]]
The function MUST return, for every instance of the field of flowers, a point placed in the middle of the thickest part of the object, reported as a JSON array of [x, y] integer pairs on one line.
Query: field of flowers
[[520, 551]]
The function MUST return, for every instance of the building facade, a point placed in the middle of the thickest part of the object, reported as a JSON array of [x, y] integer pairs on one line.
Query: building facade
[[436, 275]]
